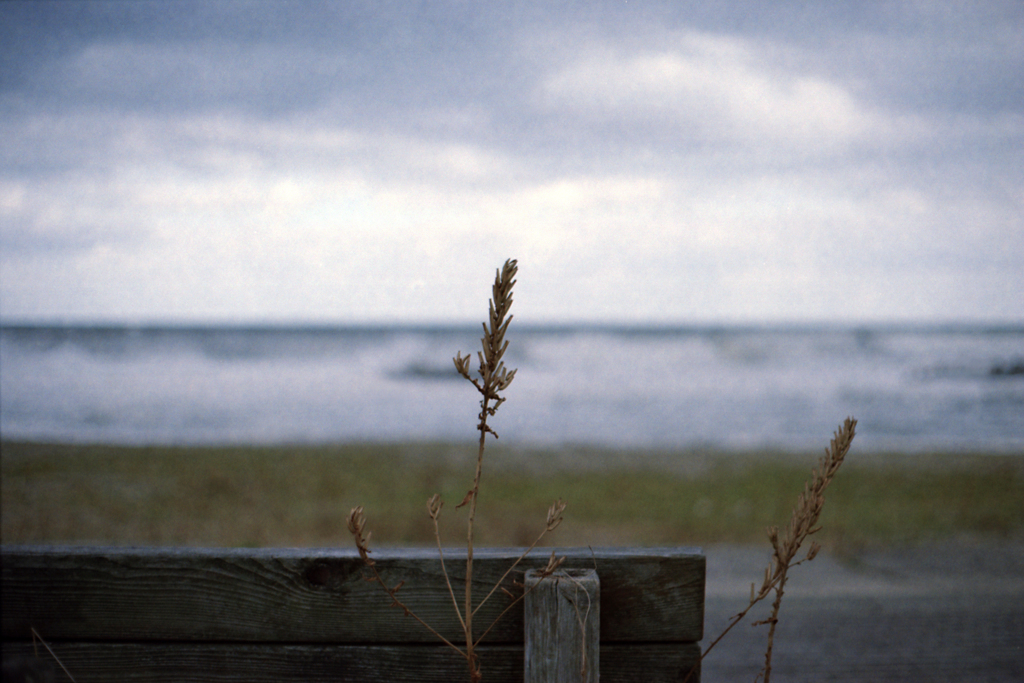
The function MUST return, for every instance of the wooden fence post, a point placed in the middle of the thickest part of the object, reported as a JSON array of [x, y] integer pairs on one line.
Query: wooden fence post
[[562, 617]]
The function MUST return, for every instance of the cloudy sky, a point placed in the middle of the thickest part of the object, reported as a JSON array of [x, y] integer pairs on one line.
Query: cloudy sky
[[656, 162]]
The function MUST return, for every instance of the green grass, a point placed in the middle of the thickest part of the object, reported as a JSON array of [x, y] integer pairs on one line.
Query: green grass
[[300, 496]]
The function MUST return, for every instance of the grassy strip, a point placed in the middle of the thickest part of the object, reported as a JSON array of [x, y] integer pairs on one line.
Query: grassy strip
[[300, 496]]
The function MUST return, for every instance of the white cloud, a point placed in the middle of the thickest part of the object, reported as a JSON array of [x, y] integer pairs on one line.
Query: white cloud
[[668, 174], [721, 86]]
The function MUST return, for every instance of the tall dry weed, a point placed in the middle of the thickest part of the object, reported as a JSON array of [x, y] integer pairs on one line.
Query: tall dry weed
[[803, 523], [492, 379]]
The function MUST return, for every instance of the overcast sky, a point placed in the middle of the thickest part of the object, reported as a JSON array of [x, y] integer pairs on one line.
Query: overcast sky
[[654, 162]]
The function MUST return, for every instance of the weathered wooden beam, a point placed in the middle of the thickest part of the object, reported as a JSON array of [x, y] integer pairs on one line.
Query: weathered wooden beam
[[320, 596], [319, 663], [562, 627]]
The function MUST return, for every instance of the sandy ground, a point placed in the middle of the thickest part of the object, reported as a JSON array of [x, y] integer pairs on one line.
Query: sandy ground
[[946, 612]]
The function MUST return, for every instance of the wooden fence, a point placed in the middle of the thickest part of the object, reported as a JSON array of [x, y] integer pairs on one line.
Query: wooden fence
[[174, 614]]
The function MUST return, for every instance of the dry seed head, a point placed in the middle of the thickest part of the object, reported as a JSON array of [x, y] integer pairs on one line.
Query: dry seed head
[[552, 565], [494, 377], [462, 364], [555, 514], [434, 506], [356, 526], [505, 379], [356, 520]]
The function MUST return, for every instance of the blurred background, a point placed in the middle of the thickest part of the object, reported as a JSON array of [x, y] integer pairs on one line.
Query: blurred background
[[657, 162], [277, 222], [240, 243]]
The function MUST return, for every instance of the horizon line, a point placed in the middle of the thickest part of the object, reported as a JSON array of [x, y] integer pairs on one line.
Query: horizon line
[[545, 325]]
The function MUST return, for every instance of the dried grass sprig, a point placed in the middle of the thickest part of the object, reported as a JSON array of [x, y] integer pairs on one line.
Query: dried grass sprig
[[356, 525], [802, 524], [554, 519], [493, 378], [35, 637]]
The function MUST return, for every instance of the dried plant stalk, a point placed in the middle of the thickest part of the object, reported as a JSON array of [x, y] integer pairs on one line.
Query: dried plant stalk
[[802, 524], [493, 378]]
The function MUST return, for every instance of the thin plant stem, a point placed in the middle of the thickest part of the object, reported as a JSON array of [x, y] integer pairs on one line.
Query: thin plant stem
[[553, 564], [554, 519], [772, 621], [398, 603], [468, 609], [802, 524], [505, 575], [357, 527], [493, 378], [35, 635], [444, 571]]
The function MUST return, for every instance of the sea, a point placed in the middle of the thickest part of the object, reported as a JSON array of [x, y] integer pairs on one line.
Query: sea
[[911, 388]]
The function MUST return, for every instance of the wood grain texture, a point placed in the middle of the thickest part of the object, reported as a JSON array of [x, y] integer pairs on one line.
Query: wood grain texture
[[562, 630], [312, 596], [250, 663]]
